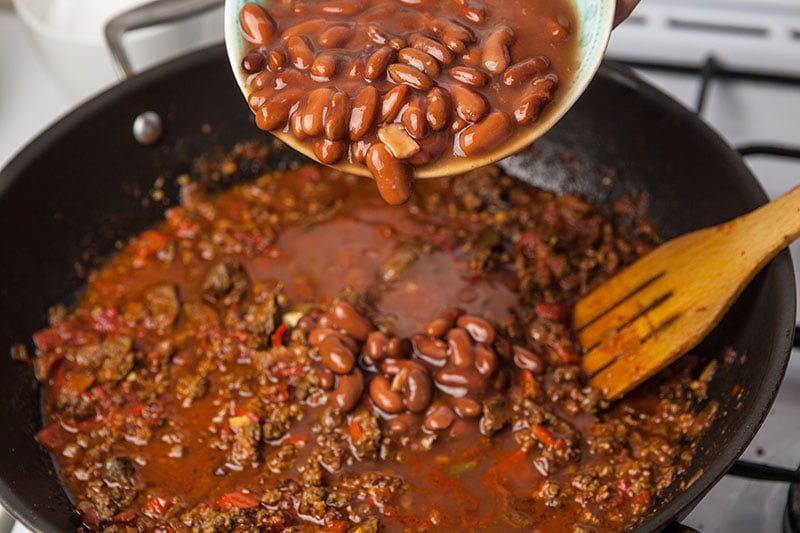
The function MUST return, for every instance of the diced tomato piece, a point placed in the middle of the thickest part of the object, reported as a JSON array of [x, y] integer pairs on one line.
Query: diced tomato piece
[[149, 243], [277, 337], [568, 357], [156, 506], [243, 499], [355, 431], [544, 436], [298, 440], [558, 311], [52, 437], [126, 516]]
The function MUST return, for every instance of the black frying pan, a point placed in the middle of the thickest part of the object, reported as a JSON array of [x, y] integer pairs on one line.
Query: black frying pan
[[73, 190]]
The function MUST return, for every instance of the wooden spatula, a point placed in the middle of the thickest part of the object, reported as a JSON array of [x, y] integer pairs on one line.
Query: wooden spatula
[[656, 310]]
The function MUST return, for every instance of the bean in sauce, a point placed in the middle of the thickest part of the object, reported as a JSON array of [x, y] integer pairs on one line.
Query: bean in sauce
[[416, 81]]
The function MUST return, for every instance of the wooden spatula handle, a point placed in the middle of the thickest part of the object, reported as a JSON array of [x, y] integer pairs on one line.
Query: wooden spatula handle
[[769, 229]]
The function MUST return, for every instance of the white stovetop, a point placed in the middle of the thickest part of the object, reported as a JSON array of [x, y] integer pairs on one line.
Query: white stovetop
[[30, 101]]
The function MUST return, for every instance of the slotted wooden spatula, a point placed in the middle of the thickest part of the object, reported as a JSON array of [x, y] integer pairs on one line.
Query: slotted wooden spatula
[[656, 310]]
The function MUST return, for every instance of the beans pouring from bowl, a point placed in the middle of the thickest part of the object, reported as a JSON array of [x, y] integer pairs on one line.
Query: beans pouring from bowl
[[404, 90]]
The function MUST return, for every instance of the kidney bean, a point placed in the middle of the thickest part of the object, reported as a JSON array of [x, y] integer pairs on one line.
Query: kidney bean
[[455, 36], [558, 32], [296, 122], [327, 379], [275, 112], [335, 36], [376, 65], [262, 80], [358, 150], [336, 356], [381, 393], [487, 134], [348, 391], [485, 359], [430, 347], [324, 65], [316, 104], [364, 112], [438, 103], [439, 418], [393, 101], [276, 59], [472, 10], [257, 26], [459, 382], [393, 177], [418, 390], [496, 56], [443, 322], [376, 345], [463, 429], [462, 353], [342, 8], [316, 336], [351, 322], [325, 320], [336, 121], [300, 53], [530, 105], [392, 367], [469, 75], [431, 47], [524, 70], [254, 62], [420, 60], [398, 348], [404, 74], [378, 35], [431, 148], [466, 407], [527, 360], [260, 97], [398, 43], [288, 78], [307, 27], [401, 424], [470, 105], [356, 69], [329, 151], [478, 328], [458, 124]]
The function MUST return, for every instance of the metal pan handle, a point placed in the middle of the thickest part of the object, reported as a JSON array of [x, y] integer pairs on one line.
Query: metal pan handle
[[144, 16]]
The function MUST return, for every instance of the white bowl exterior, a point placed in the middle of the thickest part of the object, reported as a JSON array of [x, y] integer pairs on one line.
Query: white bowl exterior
[[80, 62]]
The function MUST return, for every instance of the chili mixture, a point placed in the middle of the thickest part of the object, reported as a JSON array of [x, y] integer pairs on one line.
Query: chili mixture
[[394, 85], [295, 354]]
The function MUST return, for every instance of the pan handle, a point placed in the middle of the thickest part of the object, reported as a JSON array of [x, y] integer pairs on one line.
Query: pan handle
[[144, 16]]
